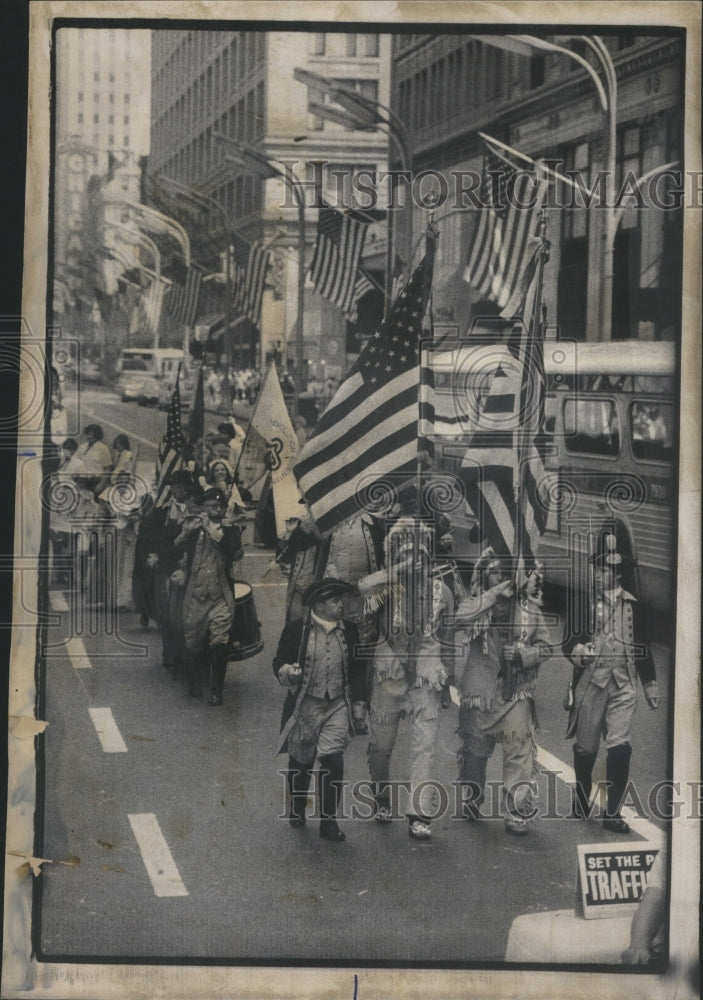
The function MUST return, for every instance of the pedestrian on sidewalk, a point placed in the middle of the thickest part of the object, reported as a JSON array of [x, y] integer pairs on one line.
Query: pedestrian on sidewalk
[[608, 656], [316, 661]]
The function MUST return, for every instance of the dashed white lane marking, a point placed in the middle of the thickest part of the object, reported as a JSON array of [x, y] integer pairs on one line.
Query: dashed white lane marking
[[160, 866], [106, 728], [647, 830], [76, 650], [57, 600]]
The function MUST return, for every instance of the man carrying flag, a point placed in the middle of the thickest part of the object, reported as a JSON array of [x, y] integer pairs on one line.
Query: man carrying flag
[[504, 480]]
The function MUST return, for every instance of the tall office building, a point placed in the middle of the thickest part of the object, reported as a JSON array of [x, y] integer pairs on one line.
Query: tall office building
[[102, 129], [242, 85]]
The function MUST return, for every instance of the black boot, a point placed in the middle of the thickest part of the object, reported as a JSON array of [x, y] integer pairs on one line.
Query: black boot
[[298, 785], [219, 655], [472, 774], [617, 771], [331, 774], [192, 671], [583, 769]]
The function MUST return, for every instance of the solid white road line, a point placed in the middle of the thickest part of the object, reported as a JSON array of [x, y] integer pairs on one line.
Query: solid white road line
[[160, 866], [57, 600], [647, 830], [106, 728], [76, 650]]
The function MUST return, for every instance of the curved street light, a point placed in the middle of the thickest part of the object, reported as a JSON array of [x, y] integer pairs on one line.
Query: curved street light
[[257, 163]]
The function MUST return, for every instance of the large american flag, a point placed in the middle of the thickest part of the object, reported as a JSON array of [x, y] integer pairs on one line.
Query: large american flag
[[170, 454], [502, 470], [334, 270], [504, 238], [371, 427], [250, 263], [183, 297]]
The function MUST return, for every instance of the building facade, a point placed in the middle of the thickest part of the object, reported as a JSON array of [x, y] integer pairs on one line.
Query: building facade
[[241, 85], [102, 131], [448, 88]]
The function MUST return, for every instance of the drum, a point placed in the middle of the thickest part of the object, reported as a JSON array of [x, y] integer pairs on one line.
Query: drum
[[245, 635]]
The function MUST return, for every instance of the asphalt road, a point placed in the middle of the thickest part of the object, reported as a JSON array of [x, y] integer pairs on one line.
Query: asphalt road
[[162, 815]]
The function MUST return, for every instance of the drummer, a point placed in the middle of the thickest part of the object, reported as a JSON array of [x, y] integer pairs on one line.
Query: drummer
[[207, 552]]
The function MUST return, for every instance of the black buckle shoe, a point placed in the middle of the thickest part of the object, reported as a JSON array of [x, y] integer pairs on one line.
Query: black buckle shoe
[[615, 824], [330, 831]]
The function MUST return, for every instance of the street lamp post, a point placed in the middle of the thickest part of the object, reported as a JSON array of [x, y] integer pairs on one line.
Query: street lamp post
[[207, 202], [257, 163], [607, 96], [365, 114]]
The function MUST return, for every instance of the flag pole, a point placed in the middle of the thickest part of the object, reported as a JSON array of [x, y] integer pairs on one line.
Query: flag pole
[[431, 237], [519, 469]]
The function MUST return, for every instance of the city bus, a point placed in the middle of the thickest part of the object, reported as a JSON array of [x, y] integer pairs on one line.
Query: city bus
[[610, 451], [143, 371]]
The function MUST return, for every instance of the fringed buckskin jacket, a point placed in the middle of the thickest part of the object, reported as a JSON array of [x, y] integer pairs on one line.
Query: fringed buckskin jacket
[[489, 627]]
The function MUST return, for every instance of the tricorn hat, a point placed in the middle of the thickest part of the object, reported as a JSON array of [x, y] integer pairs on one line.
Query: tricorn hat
[[608, 556], [214, 494], [324, 589]]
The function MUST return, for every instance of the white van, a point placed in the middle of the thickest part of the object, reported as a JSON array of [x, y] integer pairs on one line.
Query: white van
[[142, 371]]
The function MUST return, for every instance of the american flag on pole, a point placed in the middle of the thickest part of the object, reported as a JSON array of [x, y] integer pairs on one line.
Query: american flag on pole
[[170, 454], [504, 238], [502, 470], [183, 297], [152, 301], [371, 427], [250, 263], [334, 270]]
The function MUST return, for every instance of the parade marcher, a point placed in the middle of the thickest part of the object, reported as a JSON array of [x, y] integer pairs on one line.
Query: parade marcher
[[296, 555], [413, 663], [206, 552], [155, 561], [128, 509], [507, 641], [607, 663], [327, 689]]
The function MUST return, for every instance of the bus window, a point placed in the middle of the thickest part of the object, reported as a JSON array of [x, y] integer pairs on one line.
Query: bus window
[[134, 365], [591, 426], [652, 427]]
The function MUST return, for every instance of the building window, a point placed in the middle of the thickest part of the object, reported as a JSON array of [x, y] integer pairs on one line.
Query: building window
[[96, 97], [126, 98], [112, 77], [126, 119], [80, 118], [575, 220], [112, 98], [629, 165], [111, 119], [370, 45], [96, 119], [80, 96], [317, 44], [536, 71], [111, 141], [351, 44], [96, 76]]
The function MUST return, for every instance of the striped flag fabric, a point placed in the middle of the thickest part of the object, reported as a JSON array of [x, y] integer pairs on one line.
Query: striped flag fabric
[[334, 270], [184, 295], [152, 301], [505, 236], [250, 263], [170, 453], [502, 469], [371, 427]]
